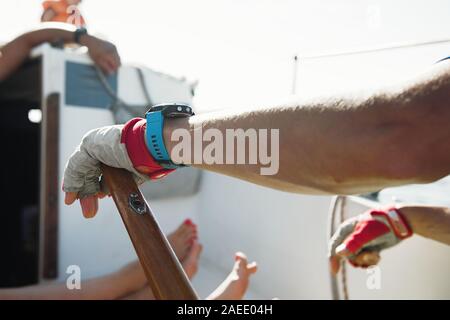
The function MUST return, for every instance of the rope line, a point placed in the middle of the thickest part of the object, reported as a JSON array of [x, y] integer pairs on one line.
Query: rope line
[[376, 49], [344, 266], [118, 103], [337, 202], [331, 230]]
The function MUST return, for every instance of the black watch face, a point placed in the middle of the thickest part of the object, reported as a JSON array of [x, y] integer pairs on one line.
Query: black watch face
[[173, 110]]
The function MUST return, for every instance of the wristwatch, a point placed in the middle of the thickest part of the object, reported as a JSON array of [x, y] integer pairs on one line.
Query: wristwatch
[[155, 123], [78, 34]]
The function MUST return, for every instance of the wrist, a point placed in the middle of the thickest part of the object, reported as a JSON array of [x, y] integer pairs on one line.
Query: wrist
[[133, 136], [163, 121], [410, 214], [397, 221], [170, 125], [86, 40]]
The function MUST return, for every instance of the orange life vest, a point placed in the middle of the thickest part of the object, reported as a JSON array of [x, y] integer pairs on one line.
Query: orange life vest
[[63, 12]]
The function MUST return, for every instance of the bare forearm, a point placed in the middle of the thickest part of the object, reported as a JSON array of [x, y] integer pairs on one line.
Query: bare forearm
[[430, 222], [113, 286], [348, 145], [17, 51]]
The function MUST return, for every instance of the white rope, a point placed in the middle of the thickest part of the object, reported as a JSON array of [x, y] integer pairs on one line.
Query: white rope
[[331, 230], [337, 202], [118, 103]]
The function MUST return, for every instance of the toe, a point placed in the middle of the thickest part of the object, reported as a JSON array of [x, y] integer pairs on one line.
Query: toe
[[196, 247], [252, 267], [239, 256], [240, 261]]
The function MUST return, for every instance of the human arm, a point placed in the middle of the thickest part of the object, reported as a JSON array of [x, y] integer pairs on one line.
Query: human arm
[[116, 285], [429, 222], [341, 145], [14, 53], [350, 144]]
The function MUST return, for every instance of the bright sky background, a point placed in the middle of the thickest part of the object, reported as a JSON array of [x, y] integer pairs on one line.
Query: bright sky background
[[241, 50]]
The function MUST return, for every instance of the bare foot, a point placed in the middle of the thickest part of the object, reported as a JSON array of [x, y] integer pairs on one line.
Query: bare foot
[[182, 238], [236, 284], [190, 262]]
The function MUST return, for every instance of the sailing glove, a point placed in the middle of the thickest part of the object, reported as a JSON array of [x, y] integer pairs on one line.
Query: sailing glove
[[373, 231], [119, 146]]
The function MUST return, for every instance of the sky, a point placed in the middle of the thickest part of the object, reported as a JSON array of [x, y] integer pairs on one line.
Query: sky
[[241, 51]]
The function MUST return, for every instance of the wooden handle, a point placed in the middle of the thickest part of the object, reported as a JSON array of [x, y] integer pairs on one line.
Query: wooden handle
[[164, 273]]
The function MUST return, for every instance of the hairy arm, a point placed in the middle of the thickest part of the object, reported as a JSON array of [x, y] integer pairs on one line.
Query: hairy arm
[[347, 145], [13, 54], [17, 51], [429, 222]]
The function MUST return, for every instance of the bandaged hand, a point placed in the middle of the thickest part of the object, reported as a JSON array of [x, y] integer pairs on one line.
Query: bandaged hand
[[118, 146], [361, 239]]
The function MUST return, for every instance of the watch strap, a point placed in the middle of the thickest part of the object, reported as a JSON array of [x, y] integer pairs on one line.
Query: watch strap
[[155, 141], [133, 138], [78, 34]]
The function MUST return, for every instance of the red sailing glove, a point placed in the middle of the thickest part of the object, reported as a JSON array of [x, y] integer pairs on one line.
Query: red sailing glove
[[371, 232]]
